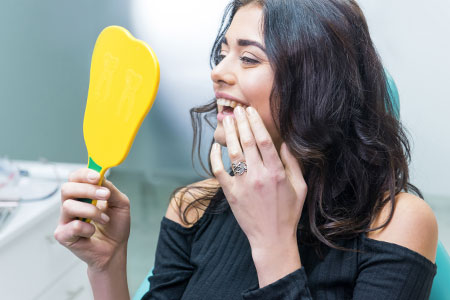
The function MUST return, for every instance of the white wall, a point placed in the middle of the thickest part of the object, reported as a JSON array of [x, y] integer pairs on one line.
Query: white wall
[[413, 39], [181, 33]]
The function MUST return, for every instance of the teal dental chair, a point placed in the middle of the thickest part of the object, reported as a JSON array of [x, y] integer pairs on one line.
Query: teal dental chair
[[441, 282]]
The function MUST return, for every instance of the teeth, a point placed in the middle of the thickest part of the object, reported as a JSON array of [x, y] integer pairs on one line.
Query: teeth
[[225, 102]]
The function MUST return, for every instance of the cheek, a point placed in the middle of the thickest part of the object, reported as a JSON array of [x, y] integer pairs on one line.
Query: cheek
[[257, 91], [257, 88]]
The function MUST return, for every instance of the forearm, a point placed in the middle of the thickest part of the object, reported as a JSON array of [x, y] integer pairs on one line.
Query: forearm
[[111, 283], [273, 263]]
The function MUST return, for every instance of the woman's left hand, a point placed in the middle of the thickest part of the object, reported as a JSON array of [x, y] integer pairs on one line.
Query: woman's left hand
[[268, 199]]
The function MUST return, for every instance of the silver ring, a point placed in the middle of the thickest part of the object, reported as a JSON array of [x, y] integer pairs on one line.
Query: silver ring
[[239, 168]]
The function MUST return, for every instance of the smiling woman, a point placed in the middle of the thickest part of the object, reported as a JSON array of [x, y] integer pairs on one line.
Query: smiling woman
[[317, 204], [310, 71]]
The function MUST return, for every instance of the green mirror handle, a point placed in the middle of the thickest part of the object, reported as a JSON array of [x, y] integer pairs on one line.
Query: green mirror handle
[[93, 166]]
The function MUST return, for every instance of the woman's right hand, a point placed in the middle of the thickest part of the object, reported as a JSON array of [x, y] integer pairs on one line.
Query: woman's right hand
[[97, 242]]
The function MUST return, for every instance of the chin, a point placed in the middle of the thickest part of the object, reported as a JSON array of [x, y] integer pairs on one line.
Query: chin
[[219, 137]]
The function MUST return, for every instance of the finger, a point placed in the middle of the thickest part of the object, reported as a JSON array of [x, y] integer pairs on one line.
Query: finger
[[117, 199], [73, 190], [217, 166], [69, 233], [248, 141], [269, 153], [233, 145], [102, 205], [293, 170], [85, 175], [72, 209]]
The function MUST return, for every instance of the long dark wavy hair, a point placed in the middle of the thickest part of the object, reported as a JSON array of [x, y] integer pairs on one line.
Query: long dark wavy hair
[[331, 105]]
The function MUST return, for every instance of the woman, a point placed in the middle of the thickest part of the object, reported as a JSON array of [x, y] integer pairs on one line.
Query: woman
[[316, 206]]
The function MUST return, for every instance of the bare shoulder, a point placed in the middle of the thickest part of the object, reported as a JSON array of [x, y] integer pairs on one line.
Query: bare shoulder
[[413, 226], [186, 196]]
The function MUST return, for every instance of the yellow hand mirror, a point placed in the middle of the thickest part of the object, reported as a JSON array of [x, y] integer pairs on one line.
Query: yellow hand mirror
[[123, 83]]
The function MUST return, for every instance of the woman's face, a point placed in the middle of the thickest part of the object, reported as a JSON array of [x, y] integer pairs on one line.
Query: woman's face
[[244, 74]]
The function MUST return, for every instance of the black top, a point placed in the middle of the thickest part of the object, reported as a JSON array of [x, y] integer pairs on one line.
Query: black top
[[212, 260]]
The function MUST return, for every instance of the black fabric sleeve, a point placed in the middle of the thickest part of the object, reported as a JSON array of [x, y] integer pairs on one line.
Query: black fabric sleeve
[[291, 287], [390, 271], [172, 269], [386, 271]]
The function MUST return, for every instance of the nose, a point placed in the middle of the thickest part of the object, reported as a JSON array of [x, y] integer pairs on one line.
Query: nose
[[223, 73]]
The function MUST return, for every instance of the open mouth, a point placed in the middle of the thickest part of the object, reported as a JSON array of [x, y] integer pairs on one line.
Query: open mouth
[[226, 106], [227, 110]]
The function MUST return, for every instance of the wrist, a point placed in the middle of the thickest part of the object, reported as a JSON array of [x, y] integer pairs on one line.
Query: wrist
[[275, 262], [270, 252], [267, 246], [110, 282], [115, 263]]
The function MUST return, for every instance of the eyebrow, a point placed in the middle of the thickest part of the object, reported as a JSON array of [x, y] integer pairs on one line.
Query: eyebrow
[[243, 43]]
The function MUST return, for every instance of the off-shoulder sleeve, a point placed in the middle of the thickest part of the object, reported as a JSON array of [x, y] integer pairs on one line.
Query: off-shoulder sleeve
[[385, 271], [172, 269], [390, 271]]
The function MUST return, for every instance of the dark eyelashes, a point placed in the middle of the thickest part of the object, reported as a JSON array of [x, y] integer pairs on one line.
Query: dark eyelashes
[[246, 60]]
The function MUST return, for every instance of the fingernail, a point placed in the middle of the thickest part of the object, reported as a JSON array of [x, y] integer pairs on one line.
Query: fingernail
[[105, 218], [251, 110], [93, 175], [101, 193], [216, 146], [238, 111]]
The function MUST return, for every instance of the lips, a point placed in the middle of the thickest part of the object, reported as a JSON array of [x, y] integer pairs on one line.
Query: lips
[[226, 107]]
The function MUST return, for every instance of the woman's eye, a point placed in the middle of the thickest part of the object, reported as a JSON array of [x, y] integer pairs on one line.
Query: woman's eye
[[248, 61], [220, 57]]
